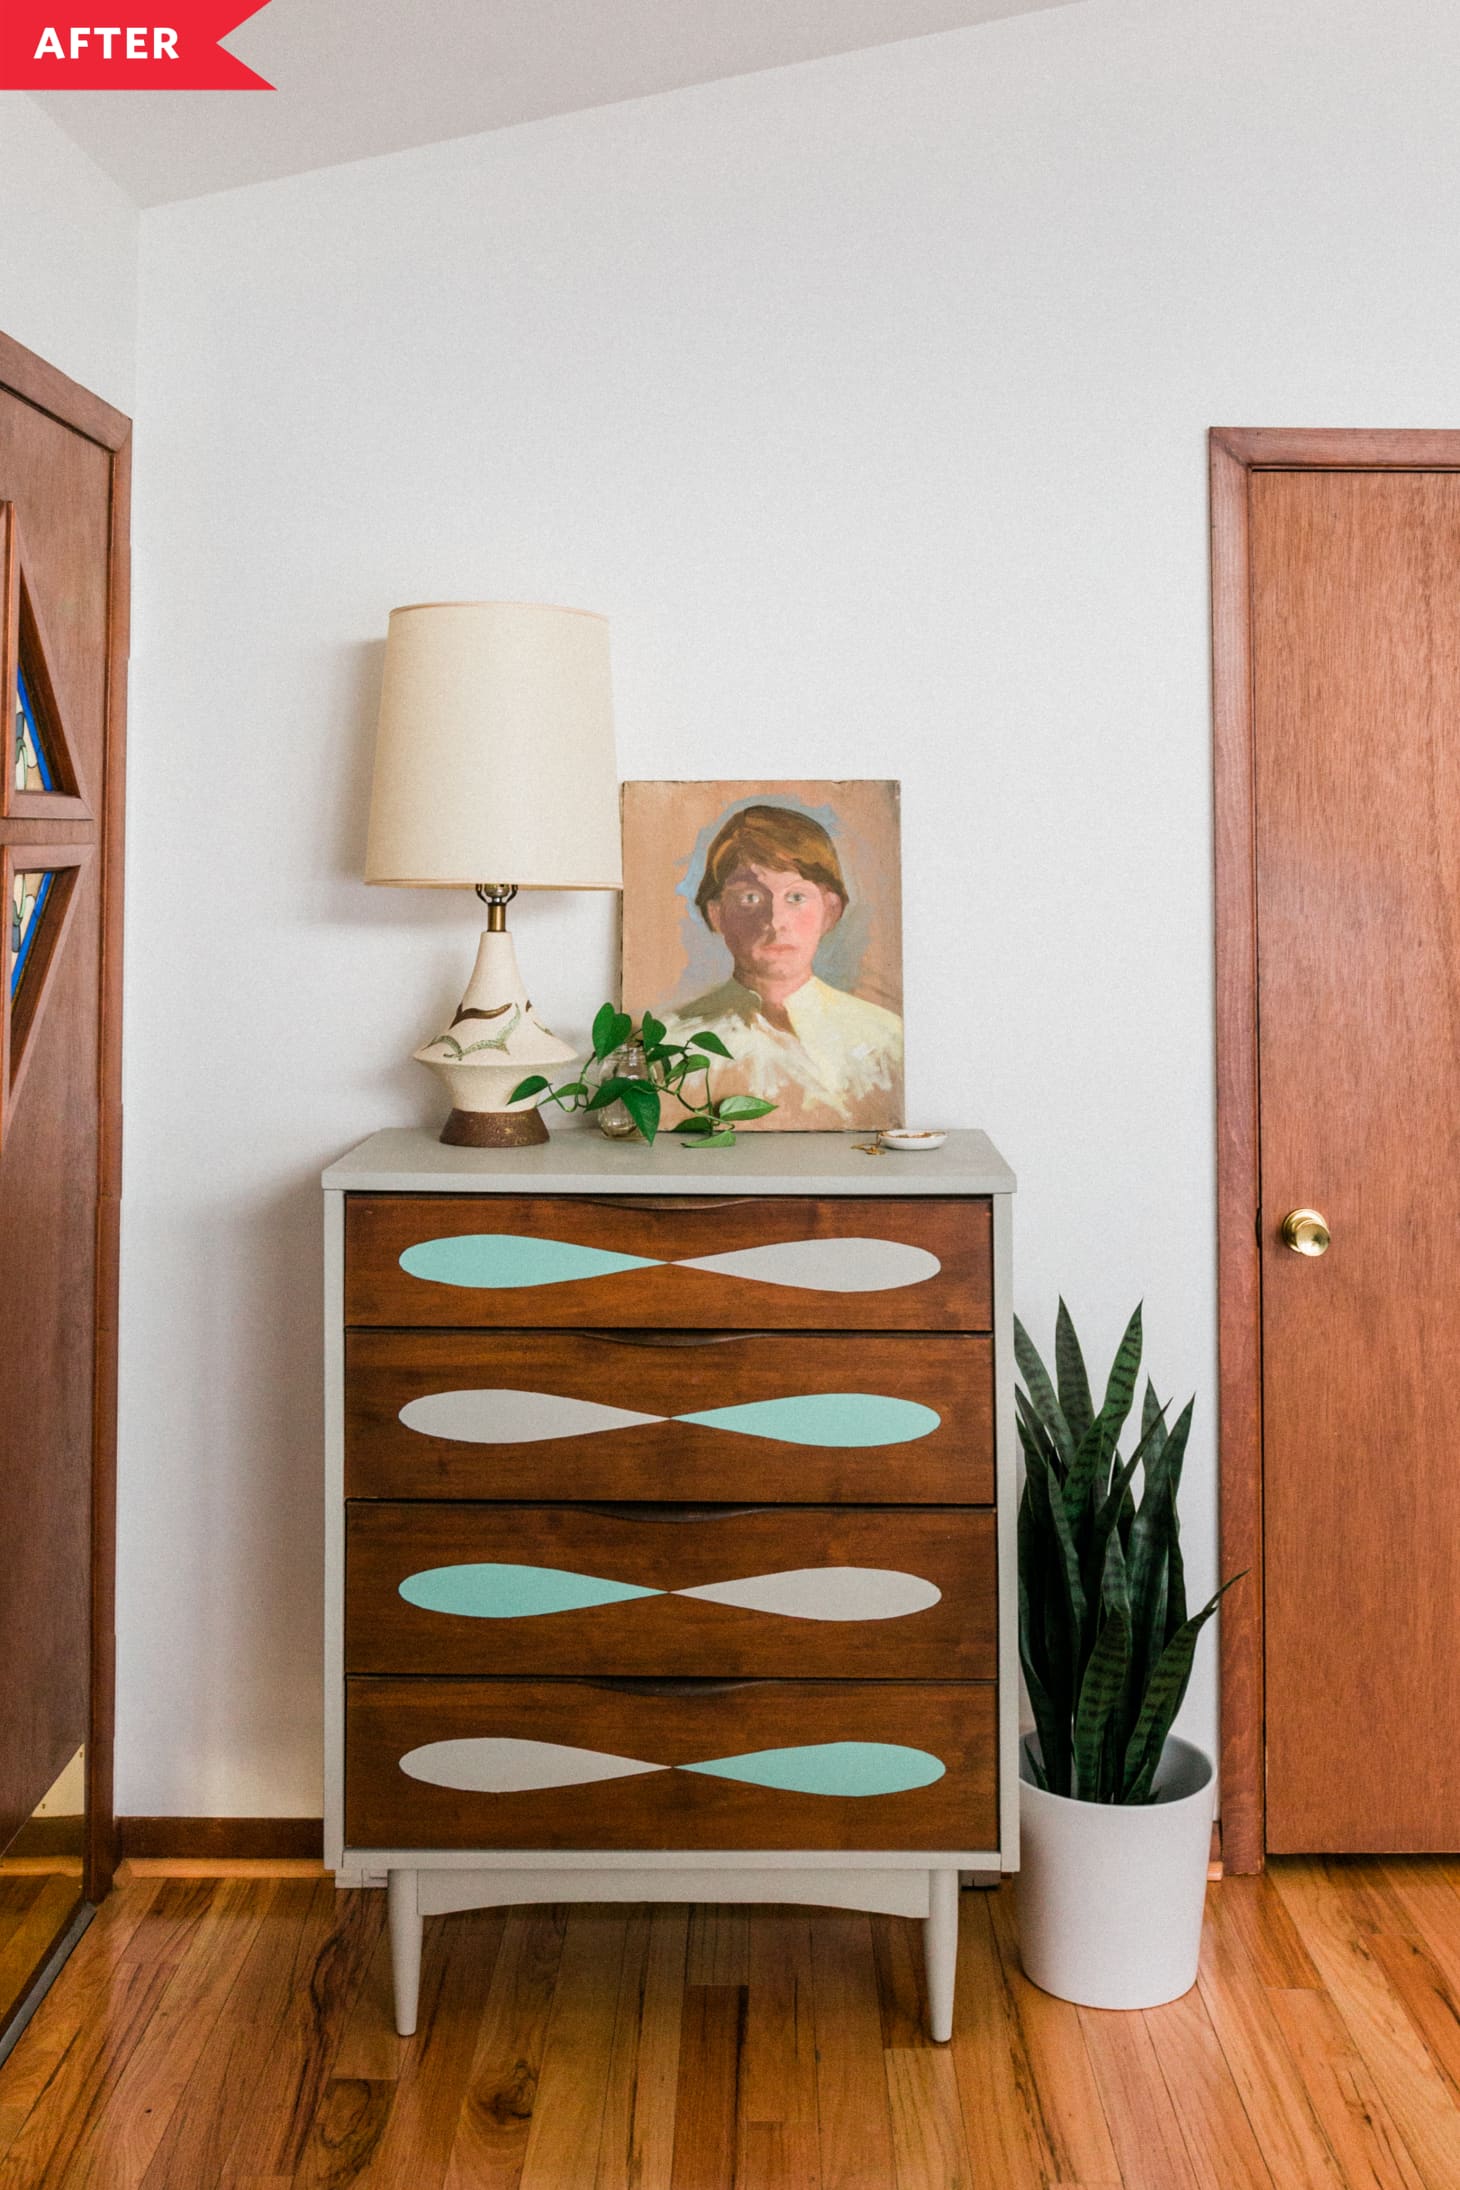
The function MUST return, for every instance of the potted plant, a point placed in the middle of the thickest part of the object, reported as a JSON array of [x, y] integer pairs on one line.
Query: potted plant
[[1115, 1811], [639, 1068]]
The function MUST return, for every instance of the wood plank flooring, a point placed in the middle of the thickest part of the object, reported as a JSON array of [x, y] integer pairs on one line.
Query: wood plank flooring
[[233, 2033]]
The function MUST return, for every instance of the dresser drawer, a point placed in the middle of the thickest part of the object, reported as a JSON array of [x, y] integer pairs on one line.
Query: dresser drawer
[[825, 1592], [760, 1764], [752, 1416], [483, 1261]]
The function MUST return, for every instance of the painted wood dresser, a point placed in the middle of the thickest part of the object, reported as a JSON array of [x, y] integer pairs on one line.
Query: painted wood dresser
[[670, 1528]]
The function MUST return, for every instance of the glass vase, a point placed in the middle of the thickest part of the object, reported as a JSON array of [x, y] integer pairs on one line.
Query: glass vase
[[626, 1064]]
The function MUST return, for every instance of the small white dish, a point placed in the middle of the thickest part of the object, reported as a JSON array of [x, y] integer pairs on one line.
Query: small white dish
[[903, 1138]]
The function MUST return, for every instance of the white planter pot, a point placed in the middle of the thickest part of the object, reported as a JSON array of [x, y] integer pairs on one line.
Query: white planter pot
[[1111, 1895]]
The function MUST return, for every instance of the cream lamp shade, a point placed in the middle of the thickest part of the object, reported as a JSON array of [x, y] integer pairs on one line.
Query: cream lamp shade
[[494, 757], [495, 770]]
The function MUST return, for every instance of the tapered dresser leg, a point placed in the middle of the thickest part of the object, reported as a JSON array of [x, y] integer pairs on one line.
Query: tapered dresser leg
[[405, 1948], [940, 1949]]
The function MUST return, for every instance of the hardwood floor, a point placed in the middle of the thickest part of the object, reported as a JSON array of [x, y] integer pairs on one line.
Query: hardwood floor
[[233, 2033]]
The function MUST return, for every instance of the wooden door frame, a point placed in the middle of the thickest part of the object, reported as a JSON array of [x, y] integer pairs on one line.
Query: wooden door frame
[[28, 377], [1235, 454]]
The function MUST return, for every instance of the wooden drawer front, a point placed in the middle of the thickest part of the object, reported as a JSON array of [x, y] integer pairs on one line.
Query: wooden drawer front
[[827, 1592], [893, 1418], [514, 1788], [479, 1260]]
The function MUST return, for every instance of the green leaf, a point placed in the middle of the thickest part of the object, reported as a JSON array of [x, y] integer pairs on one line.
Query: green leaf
[[1120, 1482], [1066, 1605], [691, 1064], [1165, 1693], [1106, 1568], [699, 1123], [715, 1140], [1153, 1419], [1042, 1393], [1100, 1692], [1114, 1586], [1102, 1556], [711, 1042], [659, 1054], [1120, 1389], [1031, 1426], [1148, 1552], [609, 1091], [1089, 1473], [642, 1105], [651, 1034], [1152, 1410], [610, 1030], [1085, 1481], [743, 1106], [1089, 1468], [532, 1085], [1074, 1384], [1045, 1634], [1033, 1439], [1175, 1581], [1032, 1656]]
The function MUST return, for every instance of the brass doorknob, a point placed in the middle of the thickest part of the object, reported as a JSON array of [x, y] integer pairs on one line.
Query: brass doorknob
[[1306, 1232]]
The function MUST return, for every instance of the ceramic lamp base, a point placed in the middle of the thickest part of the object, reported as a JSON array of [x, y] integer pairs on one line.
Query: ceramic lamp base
[[494, 1042], [494, 1129]]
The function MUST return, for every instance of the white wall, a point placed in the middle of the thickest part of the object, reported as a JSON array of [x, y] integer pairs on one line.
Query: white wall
[[68, 254], [868, 398]]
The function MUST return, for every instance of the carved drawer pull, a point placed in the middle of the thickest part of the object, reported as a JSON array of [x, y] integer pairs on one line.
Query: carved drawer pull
[[671, 1338], [669, 1510], [666, 1205]]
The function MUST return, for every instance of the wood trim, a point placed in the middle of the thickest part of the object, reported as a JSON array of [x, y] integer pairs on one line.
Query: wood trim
[[222, 1839], [34, 381], [101, 1835], [1235, 453], [9, 619], [1302, 448], [1239, 1278]]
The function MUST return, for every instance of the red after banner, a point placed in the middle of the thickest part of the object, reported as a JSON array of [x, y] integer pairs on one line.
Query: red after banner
[[169, 45]]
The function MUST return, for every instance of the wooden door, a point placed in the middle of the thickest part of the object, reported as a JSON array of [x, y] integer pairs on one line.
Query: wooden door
[[1353, 635], [63, 534]]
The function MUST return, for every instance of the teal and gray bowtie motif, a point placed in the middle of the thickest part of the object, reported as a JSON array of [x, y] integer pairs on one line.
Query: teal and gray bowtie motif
[[499, 1590], [496, 1261], [509, 1765], [507, 1417]]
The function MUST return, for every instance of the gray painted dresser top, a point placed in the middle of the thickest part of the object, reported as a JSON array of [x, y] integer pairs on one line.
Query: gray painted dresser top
[[410, 1160]]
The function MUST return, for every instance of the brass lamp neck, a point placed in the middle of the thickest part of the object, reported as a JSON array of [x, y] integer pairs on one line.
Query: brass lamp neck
[[496, 896]]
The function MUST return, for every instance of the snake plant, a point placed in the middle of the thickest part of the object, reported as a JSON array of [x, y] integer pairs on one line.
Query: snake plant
[[1104, 1635]]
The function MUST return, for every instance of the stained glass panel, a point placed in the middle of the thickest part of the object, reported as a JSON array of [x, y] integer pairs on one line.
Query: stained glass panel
[[28, 894], [32, 767]]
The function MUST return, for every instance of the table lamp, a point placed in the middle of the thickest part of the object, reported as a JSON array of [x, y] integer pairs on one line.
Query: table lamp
[[495, 757]]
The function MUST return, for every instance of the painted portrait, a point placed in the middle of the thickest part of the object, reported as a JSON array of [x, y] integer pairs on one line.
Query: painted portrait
[[770, 915]]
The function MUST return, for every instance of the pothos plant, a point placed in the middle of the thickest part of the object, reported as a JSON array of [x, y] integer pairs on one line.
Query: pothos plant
[[1104, 1635], [674, 1069]]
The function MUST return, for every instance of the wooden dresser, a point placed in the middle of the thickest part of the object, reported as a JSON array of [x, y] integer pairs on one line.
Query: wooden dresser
[[670, 1527]]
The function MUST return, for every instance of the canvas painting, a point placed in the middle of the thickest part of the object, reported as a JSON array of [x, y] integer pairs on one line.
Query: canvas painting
[[770, 914]]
